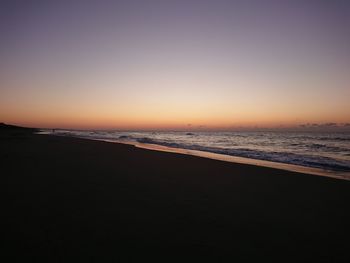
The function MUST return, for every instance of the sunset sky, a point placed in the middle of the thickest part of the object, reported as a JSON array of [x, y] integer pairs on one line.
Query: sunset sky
[[174, 64]]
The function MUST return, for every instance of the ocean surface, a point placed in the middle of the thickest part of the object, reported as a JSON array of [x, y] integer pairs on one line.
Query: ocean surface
[[326, 151]]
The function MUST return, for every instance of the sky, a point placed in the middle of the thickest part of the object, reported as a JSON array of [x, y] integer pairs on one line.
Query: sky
[[158, 64]]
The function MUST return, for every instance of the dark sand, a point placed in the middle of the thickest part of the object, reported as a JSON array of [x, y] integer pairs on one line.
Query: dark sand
[[74, 200]]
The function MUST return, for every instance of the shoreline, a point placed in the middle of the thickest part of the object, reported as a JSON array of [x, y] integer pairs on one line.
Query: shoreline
[[229, 158], [248, 161]]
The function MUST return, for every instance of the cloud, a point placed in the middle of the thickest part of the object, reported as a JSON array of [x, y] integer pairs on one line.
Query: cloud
[[330, 124], [308, 125], [321, 125]]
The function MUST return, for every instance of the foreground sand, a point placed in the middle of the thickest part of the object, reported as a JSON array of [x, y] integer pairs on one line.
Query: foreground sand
[[74, 200]]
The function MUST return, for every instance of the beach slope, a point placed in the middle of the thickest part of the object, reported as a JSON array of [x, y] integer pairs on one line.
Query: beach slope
[[75, 200]]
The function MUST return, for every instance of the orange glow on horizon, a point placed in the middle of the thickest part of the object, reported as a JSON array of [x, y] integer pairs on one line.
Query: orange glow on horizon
[[159, 122]]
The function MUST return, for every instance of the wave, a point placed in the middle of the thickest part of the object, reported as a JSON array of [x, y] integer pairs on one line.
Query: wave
[[282, 157], [346, 139], [328, 148], [124, 137]]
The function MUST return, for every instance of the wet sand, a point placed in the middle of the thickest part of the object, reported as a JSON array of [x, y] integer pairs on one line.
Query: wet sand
[[75, 200]]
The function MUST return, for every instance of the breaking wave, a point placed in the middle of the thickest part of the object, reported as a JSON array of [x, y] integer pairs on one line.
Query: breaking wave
[[282, 157]]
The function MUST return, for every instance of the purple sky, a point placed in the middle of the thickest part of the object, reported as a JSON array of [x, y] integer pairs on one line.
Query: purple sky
[[137, 64]]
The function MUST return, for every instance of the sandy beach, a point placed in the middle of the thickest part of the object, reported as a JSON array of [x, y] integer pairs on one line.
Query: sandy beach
[[76, 200]]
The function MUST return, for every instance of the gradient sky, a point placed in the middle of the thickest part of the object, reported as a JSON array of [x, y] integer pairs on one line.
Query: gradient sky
[[174, 64]]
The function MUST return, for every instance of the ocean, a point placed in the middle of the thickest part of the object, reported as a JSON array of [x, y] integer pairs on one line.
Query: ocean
[[324, 151]]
